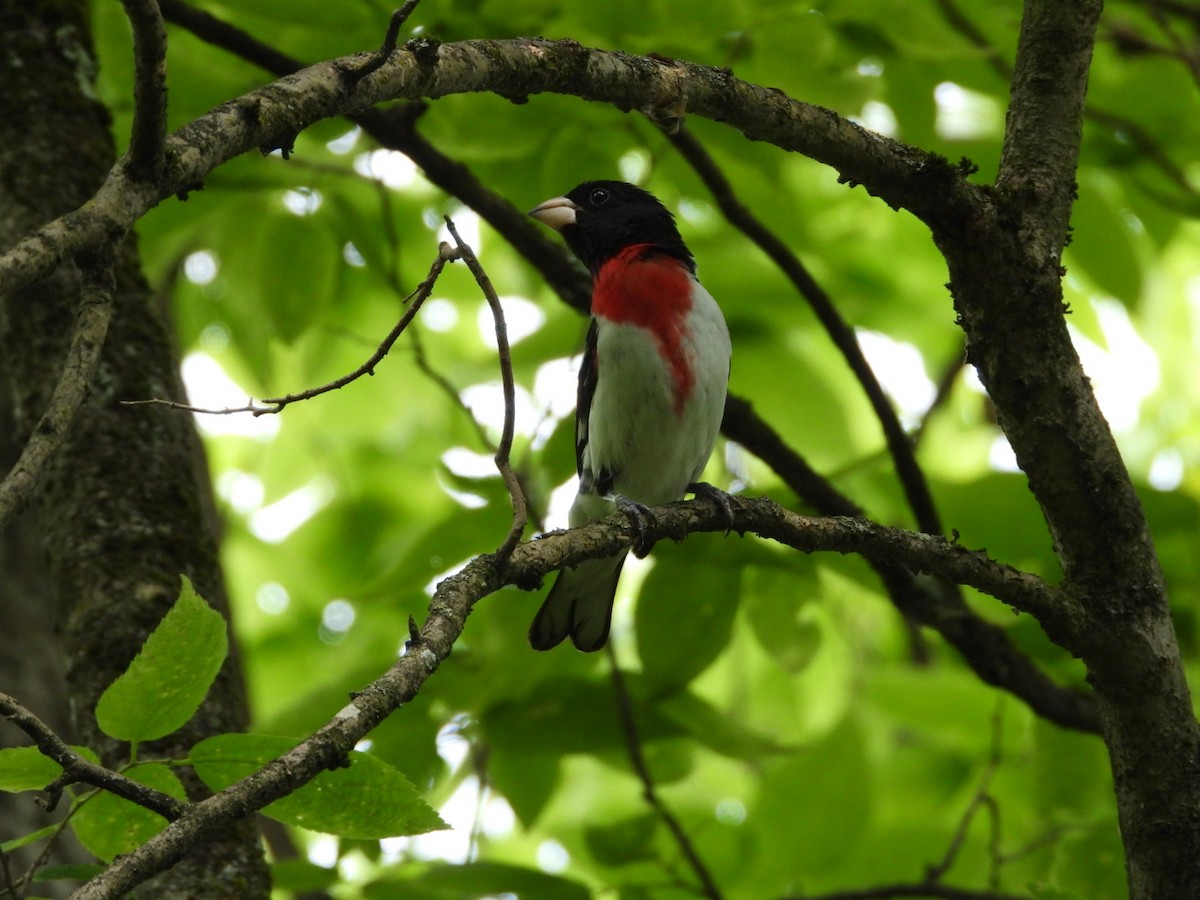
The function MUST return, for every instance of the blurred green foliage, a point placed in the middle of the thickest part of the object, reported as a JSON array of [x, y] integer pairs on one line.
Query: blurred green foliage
[[780, 716]]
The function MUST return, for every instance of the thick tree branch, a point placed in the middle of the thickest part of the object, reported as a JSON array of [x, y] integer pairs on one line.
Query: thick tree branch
[[526, 567], [1006, 274], [271, 116]]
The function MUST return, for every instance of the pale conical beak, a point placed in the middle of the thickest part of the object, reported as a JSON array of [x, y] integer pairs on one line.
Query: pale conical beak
[[557, 213]]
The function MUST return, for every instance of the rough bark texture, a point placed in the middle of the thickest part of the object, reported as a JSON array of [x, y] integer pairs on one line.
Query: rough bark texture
[[1005, 267], [1003, 244], [120, 515]]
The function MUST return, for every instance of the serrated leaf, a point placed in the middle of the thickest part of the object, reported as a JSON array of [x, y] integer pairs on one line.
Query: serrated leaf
[[367, 800], [26, 769], [169, 678], [108, 825]]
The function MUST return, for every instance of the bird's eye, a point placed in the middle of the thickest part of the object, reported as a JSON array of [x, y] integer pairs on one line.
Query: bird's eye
[[598, 197]]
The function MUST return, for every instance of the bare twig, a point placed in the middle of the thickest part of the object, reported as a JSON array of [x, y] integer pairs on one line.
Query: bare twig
[[981, 799], [503, 451], [637, 760], [444, 385], [275, 405], [384, 53], [77, 769], [148, 140], [95, 311]]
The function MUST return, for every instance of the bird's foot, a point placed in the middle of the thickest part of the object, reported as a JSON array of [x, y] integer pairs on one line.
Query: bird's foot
[[637, 514], [718, 498]]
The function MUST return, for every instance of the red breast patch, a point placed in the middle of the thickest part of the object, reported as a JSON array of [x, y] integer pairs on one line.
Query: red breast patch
[[640, 286]]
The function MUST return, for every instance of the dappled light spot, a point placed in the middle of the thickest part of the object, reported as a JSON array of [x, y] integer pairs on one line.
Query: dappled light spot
[[272, 598], [201, 267]]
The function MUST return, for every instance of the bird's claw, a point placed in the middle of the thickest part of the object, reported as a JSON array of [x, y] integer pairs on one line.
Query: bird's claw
[[637, 514], [718, 497]]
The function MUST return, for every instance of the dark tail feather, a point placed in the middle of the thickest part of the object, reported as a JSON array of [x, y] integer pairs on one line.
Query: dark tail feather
[[579, 605]]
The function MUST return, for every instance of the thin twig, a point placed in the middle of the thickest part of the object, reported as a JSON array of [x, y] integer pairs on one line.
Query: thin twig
[[633, 745], [77, 769], [935, 873], [384, 53], [444, 385], [149, 136], [95, 311], [9, 887], [276, 405], [503, 451]]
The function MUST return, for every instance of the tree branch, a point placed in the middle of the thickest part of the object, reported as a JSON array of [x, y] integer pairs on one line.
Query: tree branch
[[77, 769], [270, 117], [148, 140], [503, 463], [637, 761], [95, 311], [526, 567]]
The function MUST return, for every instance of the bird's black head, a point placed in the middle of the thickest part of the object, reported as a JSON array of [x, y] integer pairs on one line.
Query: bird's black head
[[599, 219]]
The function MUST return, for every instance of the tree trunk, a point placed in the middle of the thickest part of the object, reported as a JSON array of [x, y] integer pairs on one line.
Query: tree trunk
[[122, 510]]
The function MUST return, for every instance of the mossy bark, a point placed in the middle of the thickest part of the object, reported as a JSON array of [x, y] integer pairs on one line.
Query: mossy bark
[[122, 512]]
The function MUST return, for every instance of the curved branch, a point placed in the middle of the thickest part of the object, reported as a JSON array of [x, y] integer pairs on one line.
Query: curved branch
[[529, 563], [79, 770], [985, 647], [271, 116], [95, 311], [148, 140]]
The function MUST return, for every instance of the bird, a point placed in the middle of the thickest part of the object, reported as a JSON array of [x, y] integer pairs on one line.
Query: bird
[[652, 386]]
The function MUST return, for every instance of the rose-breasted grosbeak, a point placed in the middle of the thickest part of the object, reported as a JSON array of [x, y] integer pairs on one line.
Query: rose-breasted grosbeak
[[651, 387]]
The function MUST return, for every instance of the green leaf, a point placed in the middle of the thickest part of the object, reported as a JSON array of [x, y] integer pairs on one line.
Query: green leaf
[[75, 872], [1102, 243], [297, 266], [484, 879], [108, 825], [686, 609], [169, 678], [26, 769], [26, 839], [367, 800], [301, 876], [624, 841]]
